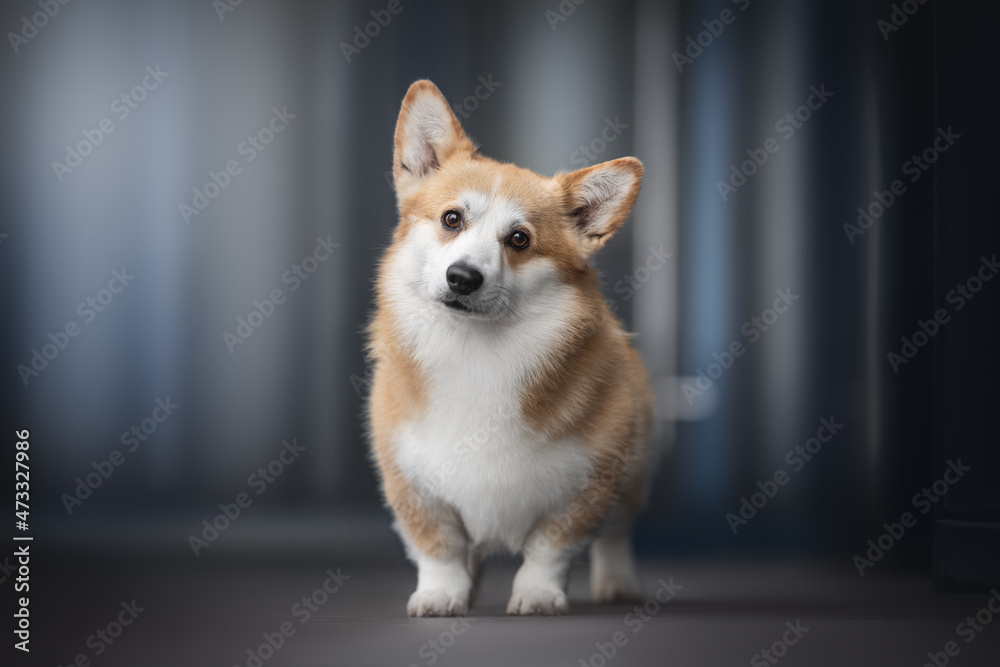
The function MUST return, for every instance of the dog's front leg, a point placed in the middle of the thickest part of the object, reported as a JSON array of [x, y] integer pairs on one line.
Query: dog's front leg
[[444, 586], [436, 541], [540, 583]]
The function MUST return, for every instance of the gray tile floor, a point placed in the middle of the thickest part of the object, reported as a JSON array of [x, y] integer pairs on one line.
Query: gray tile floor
[[213, 610]]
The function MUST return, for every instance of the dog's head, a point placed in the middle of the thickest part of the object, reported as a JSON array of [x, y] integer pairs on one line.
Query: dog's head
[[483, 240]]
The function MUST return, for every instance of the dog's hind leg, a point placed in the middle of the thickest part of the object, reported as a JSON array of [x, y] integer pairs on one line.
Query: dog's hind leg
[[612, 566]]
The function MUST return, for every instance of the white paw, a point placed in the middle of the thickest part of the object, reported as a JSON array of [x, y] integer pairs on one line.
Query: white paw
[[614, 587], [544, 601], [437, 602]]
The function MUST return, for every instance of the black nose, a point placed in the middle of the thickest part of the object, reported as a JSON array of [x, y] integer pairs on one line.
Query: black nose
[[463, 279]]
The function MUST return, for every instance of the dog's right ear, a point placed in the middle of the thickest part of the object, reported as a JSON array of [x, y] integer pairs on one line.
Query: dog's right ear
[[427, 134]]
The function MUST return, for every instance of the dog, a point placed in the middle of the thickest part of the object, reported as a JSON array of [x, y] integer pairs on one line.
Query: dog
[[508, 409]]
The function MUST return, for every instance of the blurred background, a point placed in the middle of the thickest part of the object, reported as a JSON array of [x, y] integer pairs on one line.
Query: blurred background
[[763, 128]]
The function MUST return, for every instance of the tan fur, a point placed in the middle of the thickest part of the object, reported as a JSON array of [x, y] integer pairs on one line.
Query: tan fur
[[592, 389], [599, 394]]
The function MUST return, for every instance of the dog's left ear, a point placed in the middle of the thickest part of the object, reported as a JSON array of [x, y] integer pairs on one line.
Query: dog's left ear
[[600, 198], [427, 134]]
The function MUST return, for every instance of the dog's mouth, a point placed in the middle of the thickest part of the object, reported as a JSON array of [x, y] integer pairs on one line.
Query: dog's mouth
[[457, 305], [490, 308]]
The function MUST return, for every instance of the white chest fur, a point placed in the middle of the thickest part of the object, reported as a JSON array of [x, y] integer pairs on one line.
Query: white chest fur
[[471, 447], [500, 476]]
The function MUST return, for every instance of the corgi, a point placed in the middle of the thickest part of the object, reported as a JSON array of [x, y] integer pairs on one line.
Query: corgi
[[508, 409]]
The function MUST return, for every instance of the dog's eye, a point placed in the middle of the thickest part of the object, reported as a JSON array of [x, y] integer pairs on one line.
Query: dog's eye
[[451, 219], [519, 240]]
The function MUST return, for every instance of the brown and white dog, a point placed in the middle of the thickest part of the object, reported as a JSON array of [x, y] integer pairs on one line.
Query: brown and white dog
[[508, 408]]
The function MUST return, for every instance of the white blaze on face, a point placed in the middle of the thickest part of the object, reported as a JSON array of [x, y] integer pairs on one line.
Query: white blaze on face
[[488, 220], [542, 304]]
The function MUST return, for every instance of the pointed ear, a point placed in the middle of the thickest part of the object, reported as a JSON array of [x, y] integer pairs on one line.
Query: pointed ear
[[427, 134], [600, 198]]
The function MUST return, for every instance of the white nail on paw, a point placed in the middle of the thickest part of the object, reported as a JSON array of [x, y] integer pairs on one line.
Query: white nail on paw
[[543, 601], [437, 602]]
